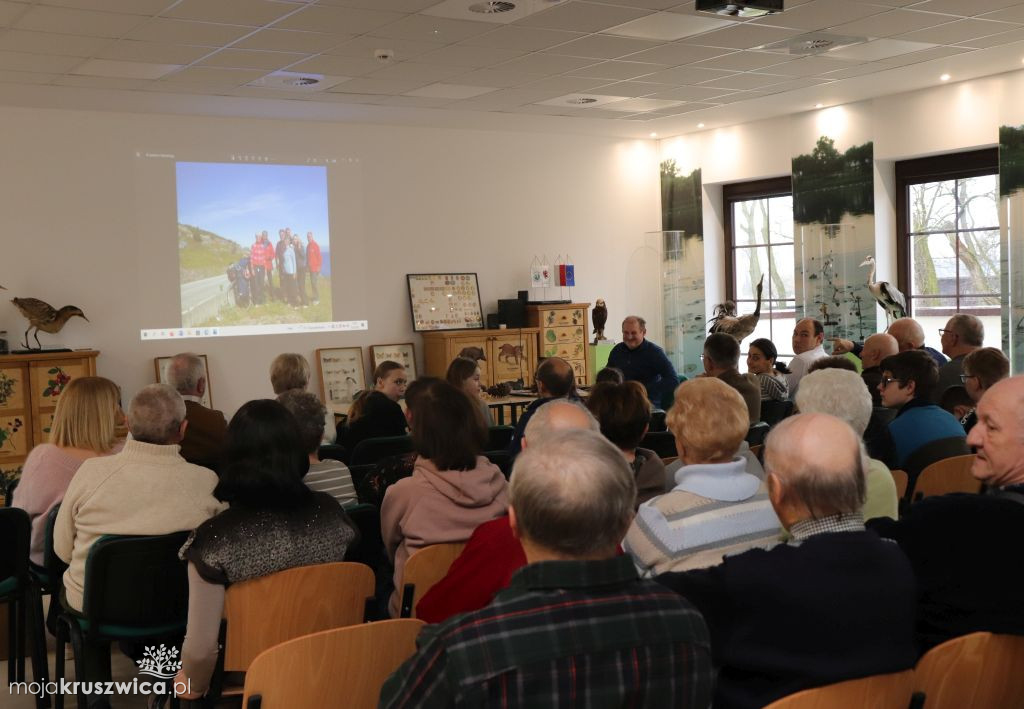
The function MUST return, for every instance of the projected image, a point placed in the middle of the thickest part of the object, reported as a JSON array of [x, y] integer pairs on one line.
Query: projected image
[[253, 244]]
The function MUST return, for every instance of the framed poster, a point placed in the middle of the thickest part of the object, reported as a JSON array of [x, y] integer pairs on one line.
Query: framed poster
[[404, 354], [341, 376], [162, 363], [445, 301]]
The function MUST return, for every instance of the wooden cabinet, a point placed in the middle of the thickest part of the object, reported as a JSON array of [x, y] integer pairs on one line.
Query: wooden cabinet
[[511, 354], [563, 333], [30, 386]]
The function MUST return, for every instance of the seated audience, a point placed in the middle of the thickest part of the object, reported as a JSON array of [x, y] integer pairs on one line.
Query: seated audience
[[147, 488], [610, 374], [982, 368], [833, 603], [291, 371], [908, 385], [204, 437], [876, 348], [832, 362], [379, 413], [493, 553], [453, 487], [808, 336], [464, 373], [959, 403], [88, 412], [716, 507], [909, 336], [274, 523], [722, 359], [762, 361], [624, 414], [965, 549], [843, 395], [962, 335], [576, 627], [555, 379], [330, 476]]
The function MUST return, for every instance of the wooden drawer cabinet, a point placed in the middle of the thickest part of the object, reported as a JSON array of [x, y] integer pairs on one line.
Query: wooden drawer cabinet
[[511, 354], [563, 333]]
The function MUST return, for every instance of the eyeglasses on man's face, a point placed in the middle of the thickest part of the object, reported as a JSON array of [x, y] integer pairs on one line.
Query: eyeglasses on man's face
[[965, 377]]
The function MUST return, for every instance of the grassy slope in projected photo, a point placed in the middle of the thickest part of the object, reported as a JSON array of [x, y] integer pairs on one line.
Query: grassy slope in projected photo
[[244, 252]]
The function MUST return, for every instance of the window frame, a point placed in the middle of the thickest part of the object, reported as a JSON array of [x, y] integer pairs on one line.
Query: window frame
[[742, 192]]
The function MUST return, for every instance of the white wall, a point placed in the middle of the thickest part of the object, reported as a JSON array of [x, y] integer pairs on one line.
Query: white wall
[[434, 200]]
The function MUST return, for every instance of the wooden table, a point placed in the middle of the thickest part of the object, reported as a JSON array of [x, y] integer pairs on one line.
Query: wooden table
[[514, 403]]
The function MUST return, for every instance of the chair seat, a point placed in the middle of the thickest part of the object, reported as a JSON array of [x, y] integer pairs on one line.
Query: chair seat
[[8, 585], [132, 631]]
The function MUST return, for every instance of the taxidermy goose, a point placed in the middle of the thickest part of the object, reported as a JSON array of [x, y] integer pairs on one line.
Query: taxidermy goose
[[887, 295], [43, 316], [726, 321]]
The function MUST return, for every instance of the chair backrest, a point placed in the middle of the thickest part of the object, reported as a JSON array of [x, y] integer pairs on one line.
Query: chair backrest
[[332, 451], [263, 612], [657, 422], [900, 478], [773, 410], [341, 667], [424, 569], [502, 459], [757, 433], [370, 548], [889, 691], [930, 453], [661, 442], [498, 437], [9, 492], [136, 580], [15, 530], [373, 449], [945, 476], [977, 670], [757, 451]]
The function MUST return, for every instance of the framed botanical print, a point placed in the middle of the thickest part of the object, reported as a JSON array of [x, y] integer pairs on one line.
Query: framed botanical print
[[341, 376], [404, 354], [162, 363]]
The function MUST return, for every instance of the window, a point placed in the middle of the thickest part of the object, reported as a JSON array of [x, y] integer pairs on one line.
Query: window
[[759, 241], [948, 253]]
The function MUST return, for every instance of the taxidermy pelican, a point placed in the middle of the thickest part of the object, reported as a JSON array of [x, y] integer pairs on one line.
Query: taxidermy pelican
[[43, 316], [887, 295], [726, 321]]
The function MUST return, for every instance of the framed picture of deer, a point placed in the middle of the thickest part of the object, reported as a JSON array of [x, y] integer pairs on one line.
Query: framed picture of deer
[[445, 301]]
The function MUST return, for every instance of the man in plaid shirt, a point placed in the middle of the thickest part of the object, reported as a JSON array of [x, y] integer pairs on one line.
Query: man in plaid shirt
[[575, 627]]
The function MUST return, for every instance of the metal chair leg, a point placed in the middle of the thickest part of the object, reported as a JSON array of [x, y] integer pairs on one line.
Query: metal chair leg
[[78, 647], [22, 613], [12, 624], [58, 669], [40, 669]]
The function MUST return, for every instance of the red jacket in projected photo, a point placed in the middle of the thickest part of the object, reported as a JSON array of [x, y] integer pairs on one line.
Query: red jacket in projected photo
[[263, 255], [313, 258]]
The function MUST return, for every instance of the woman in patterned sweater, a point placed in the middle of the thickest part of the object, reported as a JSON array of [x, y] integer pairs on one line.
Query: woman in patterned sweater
[[761, 360]]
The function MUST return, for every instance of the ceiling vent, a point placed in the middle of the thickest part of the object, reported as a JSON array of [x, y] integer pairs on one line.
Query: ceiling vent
[[500, 12], [492, 8], [811, 43], [582, 100], [740, 8], [295, 81]]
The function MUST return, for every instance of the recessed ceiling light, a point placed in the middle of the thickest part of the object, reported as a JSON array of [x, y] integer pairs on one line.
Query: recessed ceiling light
[[654, 135], [700, 125], [944, 77], [819, 105]]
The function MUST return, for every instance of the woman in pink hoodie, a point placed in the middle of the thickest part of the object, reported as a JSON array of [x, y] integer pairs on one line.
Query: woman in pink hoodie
[[453, 488]]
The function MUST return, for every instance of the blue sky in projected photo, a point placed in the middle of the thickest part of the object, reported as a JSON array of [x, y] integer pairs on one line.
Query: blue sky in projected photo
[[237, 200]]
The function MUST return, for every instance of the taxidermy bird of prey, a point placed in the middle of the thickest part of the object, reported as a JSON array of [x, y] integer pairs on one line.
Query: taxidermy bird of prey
[[726, 320], [600, 317], [887, 295], [43, 316]]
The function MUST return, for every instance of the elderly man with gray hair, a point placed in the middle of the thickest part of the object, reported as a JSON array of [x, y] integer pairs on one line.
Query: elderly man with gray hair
[[207, 428], [834, 603], [576, 625]]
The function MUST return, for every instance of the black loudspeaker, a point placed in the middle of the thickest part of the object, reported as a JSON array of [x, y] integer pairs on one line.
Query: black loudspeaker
[[512, 312], [493, 321], [524, 295]]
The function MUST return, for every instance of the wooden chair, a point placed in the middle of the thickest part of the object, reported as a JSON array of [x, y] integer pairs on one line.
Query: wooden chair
[[757, 451], [933, 452], [890, 691], [980, 670], [945, 476], [372, 450], [661, 442], [902, 480], [424, 569], [342, 667]]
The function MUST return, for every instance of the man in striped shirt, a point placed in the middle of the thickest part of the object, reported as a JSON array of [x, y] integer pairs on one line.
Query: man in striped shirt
[[575, 627]]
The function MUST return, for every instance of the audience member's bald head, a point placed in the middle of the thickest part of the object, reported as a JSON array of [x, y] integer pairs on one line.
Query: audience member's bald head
[[815, 468], [563, 415], [998, 436], [908, 333], [555, 377], [878, 347]]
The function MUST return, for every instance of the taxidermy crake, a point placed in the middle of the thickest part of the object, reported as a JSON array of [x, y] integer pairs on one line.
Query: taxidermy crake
[[887, 295], [43, 316], [727, 321]]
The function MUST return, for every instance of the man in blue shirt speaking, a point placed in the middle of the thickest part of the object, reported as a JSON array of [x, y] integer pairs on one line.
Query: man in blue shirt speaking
[[643, 361]]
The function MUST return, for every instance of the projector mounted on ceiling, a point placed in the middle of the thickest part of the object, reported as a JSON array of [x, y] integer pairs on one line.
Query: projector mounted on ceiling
[[740, 8]]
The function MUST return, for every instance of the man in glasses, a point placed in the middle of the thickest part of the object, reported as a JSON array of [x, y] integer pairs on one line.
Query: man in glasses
[[962, 335]]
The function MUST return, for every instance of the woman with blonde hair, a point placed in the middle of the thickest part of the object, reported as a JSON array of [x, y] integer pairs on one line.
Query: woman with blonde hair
[[290, 370], [84, 426]]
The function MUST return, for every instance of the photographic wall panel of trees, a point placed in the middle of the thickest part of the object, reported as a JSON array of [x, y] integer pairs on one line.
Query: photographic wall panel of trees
[[1011, 195]]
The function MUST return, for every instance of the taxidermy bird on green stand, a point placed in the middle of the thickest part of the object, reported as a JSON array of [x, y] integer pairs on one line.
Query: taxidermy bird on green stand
[[727, 321], [43, 316]]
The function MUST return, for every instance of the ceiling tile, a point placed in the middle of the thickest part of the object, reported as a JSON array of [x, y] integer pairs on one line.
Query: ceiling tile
[[675, 54], [81, 22], [924, 56], [393, 5], [252, 59], [351, 98], [886, 24], [543, 110], [797, 84], [577, 100], [1010, 14], [123, 70], [506, 98], [167, 87], [343, 20], [820, 14], [598, 113], [281, 94], [603, 47], [747, 81], [214, 76], [254, 13], [498, 78], [688, 75], [615, 70], [132, 7], [416, 71], [26, 77], [966, 8], [692, 93], [744, 36], [155, 52], [957, 32], [530, 39], [582, 17], [415, 101], [187, 32], [641, 104], [337, 66], [744, 61], [879, 49], [366, 85], [563, 84], [365, 47], [470, 57], [40, 63], [273, 40], [544, 63], [102, 82], [433, 29], [998, 39], [808, 66], [854, 71], [634, 88], [10, 11], [47, 43], [668, 26], [450, 91], [737, 96]]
